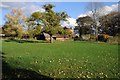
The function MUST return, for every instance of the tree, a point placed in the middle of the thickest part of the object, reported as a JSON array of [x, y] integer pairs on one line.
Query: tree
[[94, 7], [67, 32], [14, 24], [110, 23], [84, 25], [48, 21], [34, 24], [51, 20]]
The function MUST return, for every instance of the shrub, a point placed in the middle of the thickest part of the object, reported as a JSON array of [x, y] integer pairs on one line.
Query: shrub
[[102, 37], [76, 38]]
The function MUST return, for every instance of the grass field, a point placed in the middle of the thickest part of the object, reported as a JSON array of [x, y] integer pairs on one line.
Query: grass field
[[67, 59]]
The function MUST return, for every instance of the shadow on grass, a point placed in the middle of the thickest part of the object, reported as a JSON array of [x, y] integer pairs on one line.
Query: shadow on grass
[[26, 41], [10, 73], [1, 55]]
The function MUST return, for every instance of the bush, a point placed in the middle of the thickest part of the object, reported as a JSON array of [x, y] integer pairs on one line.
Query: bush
[[11, 38], [102, 37], [114, 39], [92, 38], [76, 38], [86, 37]]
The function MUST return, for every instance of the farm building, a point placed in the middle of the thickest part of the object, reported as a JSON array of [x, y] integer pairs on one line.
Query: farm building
[[45, 36]]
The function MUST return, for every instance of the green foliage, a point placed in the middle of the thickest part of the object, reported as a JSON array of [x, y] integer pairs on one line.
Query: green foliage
[[48, 7], [49, 20], [84, 25], [67, 32], [109, 23], [37, 30], [61, 31], [36, 15], [34, 24]]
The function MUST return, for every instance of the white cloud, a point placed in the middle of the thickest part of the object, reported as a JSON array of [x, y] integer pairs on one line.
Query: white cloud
[[102, 11], [14, 4], [32, 8], [82, 15], [26, 7], [107, 9], [3, 6], [29, 8], [71, 23]]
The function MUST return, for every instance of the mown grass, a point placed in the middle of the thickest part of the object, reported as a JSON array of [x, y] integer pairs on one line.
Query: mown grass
[[68, 59]]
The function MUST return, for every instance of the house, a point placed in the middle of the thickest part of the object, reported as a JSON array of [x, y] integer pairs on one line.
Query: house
[[46, 36], [43, 36], [1, 33], [60, 37]]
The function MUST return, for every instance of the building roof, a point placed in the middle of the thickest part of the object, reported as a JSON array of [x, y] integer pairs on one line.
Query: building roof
[[46, 35]]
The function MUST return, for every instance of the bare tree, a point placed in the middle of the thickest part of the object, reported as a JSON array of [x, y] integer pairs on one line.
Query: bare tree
[[94, 8]]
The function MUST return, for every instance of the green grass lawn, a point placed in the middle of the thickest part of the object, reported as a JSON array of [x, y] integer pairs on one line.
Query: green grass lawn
[[67, 59]]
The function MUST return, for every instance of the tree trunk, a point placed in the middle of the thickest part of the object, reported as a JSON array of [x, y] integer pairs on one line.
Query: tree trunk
[[80, 33], [50, 38], [96, 33]]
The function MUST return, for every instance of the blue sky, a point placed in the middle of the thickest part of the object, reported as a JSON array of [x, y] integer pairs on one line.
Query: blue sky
[[73, 9]]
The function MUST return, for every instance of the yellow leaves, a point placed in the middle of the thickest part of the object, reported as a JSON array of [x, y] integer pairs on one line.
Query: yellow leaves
[[13, 33], [25, 18], [69, 67], [14, 23]]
